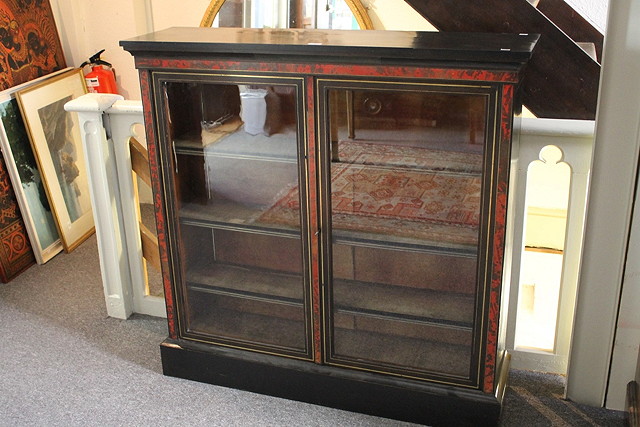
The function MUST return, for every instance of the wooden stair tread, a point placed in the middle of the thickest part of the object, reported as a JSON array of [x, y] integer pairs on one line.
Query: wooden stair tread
[[561, 80]]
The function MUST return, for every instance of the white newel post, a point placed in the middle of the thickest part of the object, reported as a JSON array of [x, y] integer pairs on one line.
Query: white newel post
[[105, 199]]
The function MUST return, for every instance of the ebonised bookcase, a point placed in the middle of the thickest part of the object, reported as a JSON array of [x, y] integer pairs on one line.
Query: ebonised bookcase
[[331, 210]]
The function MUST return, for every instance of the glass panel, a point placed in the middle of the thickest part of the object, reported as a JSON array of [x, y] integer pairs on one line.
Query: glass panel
[[235, 148], [405, 185]]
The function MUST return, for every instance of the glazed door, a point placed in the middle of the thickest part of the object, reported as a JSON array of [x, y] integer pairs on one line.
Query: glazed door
[[405, 179], [231, 149]]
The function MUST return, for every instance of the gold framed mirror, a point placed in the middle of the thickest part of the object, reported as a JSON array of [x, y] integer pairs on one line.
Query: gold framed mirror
[[295, 8]]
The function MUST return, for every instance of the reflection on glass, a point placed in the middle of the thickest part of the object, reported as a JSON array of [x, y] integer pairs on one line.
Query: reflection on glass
[[405, 184], [321, 14], [235, 148]]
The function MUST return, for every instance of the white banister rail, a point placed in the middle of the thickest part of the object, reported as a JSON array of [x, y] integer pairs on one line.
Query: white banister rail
[[574, 139], [117, 212]]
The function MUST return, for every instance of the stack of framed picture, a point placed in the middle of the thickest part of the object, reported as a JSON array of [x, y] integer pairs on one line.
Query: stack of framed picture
[[43, 150], [43, 178]]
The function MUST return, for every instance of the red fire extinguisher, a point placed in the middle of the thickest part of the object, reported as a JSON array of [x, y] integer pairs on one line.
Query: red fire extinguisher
[[101, 78]]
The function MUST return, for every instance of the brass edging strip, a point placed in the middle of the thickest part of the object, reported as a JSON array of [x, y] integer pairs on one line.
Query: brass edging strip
[[495, 151]]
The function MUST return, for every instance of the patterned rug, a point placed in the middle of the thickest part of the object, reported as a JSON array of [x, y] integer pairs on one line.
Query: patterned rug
[[372, 153], [413, 201]]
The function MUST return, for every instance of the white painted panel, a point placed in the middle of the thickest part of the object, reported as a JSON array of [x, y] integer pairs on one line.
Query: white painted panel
[[609, 213]]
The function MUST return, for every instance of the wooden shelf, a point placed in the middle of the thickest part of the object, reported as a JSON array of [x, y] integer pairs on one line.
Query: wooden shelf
[[247, 283], [229, 326], [403, 303], [439, 309], [220, 214]]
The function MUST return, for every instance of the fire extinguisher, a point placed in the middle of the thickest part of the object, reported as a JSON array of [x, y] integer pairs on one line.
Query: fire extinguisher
[[100, 79]]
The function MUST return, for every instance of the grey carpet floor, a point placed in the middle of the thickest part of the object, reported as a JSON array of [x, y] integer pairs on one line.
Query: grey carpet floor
[[64, 362]]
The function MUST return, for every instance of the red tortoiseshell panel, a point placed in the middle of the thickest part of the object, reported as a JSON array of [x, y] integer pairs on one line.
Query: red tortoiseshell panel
[[161, 223], [499, 227], [333, 69]]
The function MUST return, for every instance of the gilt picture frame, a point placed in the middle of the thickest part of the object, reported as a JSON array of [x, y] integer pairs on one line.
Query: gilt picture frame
[[57, 144], [25, 176]]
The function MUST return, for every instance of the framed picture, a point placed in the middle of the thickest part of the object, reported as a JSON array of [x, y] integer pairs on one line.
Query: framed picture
[[25, 176], [57, 145], [29, 45]]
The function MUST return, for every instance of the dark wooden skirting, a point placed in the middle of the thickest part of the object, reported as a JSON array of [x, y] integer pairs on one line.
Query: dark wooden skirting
[[388, 397], [561, 80], [633, 404]]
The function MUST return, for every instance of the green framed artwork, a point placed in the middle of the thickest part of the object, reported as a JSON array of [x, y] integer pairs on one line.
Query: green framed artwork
[[26, 179]]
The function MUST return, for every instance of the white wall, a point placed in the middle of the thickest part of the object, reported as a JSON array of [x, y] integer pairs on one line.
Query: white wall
[[87, 26], [91, 25], [595, 11]]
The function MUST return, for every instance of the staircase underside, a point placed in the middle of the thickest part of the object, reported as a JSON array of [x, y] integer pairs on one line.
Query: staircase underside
[[561, 80]]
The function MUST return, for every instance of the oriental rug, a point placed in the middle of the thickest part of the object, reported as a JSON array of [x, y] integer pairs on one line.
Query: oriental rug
[[423, 204], [403, 156]]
